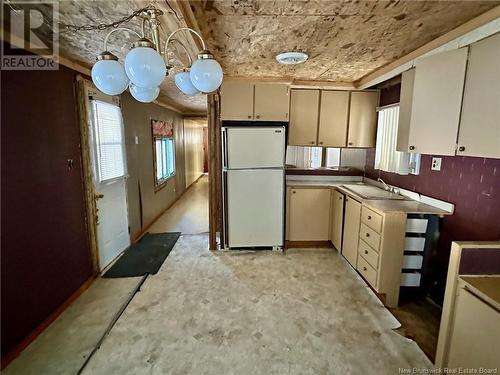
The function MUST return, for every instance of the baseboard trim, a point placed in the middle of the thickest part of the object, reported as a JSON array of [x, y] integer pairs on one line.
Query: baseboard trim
[[14, 353], [308, 244]]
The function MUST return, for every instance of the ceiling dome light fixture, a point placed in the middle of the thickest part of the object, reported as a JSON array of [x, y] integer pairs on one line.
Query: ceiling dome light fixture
[[292, 58], [145, 68]]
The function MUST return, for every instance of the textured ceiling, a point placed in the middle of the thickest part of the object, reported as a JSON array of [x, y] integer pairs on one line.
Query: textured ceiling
[[83, 46], [345, 40]]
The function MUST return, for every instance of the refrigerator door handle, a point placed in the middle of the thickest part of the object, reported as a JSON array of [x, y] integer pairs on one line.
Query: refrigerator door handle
[[224, 148]]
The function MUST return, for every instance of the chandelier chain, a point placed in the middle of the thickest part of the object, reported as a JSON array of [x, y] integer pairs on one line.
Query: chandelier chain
[[115, 24]]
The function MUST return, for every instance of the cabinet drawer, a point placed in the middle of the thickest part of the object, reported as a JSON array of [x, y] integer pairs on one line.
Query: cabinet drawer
[[369, 274], [368, 235], [410, 279], [413, 262], [416, 225], [371, 218], [370, 255]]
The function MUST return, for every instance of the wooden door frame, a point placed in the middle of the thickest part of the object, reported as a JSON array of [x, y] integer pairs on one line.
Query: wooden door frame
[[84, 88], [214, 172]]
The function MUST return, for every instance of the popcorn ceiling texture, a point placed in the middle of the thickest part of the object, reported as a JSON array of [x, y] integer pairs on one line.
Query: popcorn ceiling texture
[[345, 40]]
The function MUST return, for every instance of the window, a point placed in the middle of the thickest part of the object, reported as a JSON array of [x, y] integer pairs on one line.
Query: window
[[109, 141], [164, 158], [387, 158]]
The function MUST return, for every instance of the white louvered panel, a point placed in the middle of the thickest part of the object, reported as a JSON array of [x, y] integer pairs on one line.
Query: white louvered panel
[[414, 244]]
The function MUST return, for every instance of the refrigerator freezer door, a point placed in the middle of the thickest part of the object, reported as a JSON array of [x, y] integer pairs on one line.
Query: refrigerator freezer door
[[255, 207], [253, 147]]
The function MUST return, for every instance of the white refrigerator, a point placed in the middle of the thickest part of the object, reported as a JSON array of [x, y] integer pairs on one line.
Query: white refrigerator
[[254, 186]]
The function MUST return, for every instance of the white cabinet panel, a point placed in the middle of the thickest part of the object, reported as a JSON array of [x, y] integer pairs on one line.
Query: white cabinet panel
[[479, 133], [437, 100]]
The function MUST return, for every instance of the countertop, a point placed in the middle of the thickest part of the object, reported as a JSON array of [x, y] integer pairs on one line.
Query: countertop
[[485, 287], [380, 205]]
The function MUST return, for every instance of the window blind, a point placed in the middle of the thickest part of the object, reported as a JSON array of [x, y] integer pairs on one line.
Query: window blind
[[386, 157], [109, 141]]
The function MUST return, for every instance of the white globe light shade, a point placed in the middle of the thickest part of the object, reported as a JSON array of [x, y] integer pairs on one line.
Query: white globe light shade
[[109, 76], [206, 75], [145, 67], [144, 94], [183, 83]]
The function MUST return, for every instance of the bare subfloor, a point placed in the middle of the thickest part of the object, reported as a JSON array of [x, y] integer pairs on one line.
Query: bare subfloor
[[255, 313]]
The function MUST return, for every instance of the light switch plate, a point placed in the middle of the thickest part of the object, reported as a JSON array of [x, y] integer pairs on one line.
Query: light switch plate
[[436, 164]]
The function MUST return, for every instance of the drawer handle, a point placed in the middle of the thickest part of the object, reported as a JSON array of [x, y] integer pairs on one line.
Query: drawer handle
[[461, 148], [364, 269], [412, 147], [366, 251], [258, 116], [293, 192], [249, 116], [367, 234], [369, 217], [340, 198]]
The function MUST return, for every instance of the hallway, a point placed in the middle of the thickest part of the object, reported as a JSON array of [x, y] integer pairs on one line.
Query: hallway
[[188, 215]]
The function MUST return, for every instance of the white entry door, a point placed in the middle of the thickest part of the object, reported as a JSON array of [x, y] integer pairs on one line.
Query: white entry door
[[110, 187]]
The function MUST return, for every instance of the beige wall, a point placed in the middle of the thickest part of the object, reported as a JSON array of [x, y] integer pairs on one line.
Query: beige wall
[[144, 204], [193, 148]]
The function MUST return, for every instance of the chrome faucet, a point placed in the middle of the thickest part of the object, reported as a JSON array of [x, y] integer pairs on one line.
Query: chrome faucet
[[386, 187]]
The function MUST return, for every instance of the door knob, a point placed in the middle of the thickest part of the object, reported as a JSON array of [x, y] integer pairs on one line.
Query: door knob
[[364, 268], [258, 116], [312, 142], [320, 143], [367, 234], [249, 116], [366, 251], [369, 217]]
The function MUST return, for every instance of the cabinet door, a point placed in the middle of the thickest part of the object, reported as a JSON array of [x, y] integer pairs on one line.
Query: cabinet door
[[309, 211], [271, 102], [352, 220], [337, 219], [363, 119], [479, 133], [437, 99], [333, 116], [405, 104], [236, 101], [304, 110], [475, 333]]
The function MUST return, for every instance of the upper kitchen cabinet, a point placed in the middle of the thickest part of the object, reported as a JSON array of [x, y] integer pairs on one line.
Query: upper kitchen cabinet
[[436, 103], [304, 112], [237, 100], [271, 102], [329, 118], [363, 119], [255, 102], [479, 133], [333, 118]]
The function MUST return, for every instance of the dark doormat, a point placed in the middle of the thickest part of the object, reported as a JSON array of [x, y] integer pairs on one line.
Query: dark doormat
[[145, 256]]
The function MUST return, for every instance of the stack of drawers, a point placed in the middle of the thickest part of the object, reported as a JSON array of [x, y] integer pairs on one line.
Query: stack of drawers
[[370, 232]]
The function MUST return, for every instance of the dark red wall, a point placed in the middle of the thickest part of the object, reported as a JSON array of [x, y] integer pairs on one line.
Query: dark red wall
[[45, 252], [472, 184]]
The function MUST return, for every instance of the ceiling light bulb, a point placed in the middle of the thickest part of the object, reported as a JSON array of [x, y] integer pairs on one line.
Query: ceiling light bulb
[[144, 94], [144, 65], [206, 73], [183, 83], [109, 75]]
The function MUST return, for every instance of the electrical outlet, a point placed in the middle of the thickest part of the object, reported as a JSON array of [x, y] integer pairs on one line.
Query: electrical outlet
[[436, 164]]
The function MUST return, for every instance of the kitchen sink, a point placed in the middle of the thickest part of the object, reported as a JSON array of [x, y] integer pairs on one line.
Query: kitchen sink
[[372, 192]]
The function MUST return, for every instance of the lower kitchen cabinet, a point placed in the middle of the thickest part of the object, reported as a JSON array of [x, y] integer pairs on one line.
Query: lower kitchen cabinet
[[308, 212], [336, 219], [352, 219]]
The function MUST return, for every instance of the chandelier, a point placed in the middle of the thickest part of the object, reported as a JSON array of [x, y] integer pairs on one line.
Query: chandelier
[[146, 64]]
